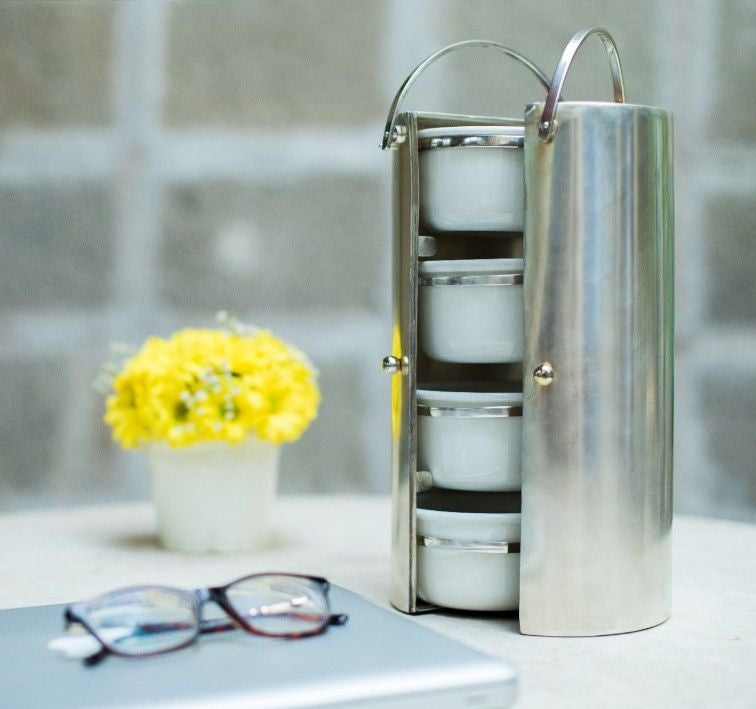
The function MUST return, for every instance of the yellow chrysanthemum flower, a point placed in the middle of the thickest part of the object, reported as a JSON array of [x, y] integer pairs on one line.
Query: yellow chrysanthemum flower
[[212, 385]]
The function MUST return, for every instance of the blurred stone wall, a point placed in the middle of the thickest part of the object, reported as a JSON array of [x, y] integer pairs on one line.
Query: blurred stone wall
[[161, 161]]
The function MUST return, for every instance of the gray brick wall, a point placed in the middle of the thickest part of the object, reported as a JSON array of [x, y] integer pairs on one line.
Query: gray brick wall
[[159, 161], [56, 62], [276, 64], [57, 244], [229, 244]]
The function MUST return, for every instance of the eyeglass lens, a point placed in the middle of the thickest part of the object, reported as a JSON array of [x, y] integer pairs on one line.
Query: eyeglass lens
[[280, 605], [144, 621]]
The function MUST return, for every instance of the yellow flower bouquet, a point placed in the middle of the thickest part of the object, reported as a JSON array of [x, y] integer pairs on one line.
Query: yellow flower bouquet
[[202, 385]]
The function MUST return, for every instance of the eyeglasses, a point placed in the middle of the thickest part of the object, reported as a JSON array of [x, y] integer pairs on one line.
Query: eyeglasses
[[147, 620]]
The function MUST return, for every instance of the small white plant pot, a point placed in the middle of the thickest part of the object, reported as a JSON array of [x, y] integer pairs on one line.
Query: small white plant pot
[[472, 310], [214, 496]]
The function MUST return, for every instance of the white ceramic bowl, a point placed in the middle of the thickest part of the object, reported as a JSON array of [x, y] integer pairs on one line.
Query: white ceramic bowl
[[471, 310], [470, 440], [463, 561], [471, 178]]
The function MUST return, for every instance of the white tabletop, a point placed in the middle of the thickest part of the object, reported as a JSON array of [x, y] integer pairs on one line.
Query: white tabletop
[[705, 655]]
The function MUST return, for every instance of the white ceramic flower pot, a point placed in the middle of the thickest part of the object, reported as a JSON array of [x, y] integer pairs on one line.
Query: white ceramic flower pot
[[471, 178], [470, 440], [464, 561], [214, 496], [472, 310]]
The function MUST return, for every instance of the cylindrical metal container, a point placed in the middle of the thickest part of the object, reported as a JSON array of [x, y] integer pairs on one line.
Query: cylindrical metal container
[[597, 426]]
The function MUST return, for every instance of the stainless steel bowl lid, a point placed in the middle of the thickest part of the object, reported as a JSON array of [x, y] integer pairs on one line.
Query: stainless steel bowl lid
[[468, 545], [491, 279], [471, 137], [469, 412], [472, 272]]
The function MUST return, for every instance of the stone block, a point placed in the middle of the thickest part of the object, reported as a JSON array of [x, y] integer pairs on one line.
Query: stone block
[[57, 245], [54, 447], [314, 243], [90, 467], [32, 392], [732, 260], [330, 456], [56, 61], [275, 63], [729, 409], [734, 117]]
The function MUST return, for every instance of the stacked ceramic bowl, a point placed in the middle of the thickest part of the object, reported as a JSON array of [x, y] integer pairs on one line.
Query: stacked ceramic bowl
[[469, 445], [470, 439], [470, 312], [471, 178], [468, 550]]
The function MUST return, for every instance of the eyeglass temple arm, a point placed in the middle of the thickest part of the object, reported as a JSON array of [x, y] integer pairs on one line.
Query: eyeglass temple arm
[[97, 657], [71, 618]]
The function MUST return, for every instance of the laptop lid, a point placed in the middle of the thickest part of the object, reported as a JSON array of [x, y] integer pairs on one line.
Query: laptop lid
[[378, 659]]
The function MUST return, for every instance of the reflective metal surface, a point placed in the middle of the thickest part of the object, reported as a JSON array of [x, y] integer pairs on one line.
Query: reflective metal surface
[[543, 374], [391, 364], [472, 141], [473, 279], [423, 480], [465, 545], [469, 412], [403, 383], [597, 442], [427, 246], [548, 124]]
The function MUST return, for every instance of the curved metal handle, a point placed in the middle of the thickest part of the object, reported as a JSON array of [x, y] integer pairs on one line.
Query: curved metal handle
[[405, 87], [548, 125]]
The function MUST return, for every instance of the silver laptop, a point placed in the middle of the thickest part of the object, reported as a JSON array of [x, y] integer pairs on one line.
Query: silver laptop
[[378, 659]]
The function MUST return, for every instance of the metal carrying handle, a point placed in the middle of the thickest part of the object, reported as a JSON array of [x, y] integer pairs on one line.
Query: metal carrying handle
[[405, 87], [548, 125]]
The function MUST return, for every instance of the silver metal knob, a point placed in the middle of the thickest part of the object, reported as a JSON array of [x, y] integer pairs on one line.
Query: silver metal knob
[[391, 364], [423, 480], [426, 246], [544, 374]]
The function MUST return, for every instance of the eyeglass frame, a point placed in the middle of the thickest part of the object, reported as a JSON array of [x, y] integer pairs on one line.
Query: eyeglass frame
[[74, 615]]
